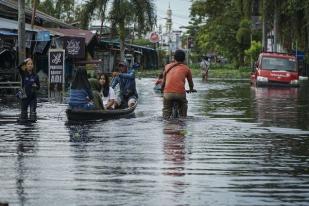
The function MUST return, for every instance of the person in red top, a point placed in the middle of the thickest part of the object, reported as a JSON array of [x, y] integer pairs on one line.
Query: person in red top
[[175, 75]]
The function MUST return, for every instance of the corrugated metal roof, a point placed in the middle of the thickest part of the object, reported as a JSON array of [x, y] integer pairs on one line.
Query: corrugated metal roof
[[13, 5], [88, 35], [116, 43], [8, 24], [13, 25]]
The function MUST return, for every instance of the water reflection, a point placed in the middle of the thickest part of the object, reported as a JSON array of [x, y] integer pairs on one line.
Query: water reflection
[[277, 106], [174, 147], [79, 131], [26, 144]]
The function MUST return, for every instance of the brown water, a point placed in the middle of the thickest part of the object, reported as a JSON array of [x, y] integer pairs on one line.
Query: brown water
[[239, 146]]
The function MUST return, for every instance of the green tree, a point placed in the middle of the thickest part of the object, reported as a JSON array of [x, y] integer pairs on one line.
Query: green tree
[[217, 30], [254, 51], [60, 9], [243, 37], [96, 8], [141, 11], [47, 7], [121, 14]]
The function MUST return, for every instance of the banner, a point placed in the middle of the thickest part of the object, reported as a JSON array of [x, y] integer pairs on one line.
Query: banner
[[74, 47], [56, 78]]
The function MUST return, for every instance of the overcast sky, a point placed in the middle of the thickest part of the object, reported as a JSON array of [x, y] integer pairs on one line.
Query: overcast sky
[[180, 12]]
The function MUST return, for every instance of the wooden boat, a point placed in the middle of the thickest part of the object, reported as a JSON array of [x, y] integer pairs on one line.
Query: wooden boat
[[79, 115]]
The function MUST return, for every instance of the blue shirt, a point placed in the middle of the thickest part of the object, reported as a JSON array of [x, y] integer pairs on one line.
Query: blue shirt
[[126, 83], [79, 97], [28, 79]]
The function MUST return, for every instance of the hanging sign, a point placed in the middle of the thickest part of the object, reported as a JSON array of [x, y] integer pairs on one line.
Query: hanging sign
[[154, 37], [74, 46]]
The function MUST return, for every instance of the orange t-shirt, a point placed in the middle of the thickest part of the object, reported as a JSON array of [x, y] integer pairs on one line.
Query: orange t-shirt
[[176, 78]]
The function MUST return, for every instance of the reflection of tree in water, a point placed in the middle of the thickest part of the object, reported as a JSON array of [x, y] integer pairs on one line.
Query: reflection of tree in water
[[26, 143]]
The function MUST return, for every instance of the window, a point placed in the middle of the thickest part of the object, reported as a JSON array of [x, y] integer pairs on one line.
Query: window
[[275, 63]]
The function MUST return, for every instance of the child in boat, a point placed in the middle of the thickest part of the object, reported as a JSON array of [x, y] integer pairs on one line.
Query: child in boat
[[30, 86], [108, 93], [80, 94]]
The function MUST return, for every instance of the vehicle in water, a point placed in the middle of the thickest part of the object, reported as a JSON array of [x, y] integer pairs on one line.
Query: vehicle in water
[[81, 115], [275, 69]]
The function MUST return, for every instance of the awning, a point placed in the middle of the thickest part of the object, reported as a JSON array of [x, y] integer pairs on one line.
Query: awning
[[88, 35], [137, 48], [13, 25], [94, 61], [7, 33]]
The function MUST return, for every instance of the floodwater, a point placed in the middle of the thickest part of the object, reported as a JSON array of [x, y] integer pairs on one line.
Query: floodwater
[[239, 146]]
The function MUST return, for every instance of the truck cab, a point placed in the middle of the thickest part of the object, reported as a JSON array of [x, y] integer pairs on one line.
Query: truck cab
[[275, 69]]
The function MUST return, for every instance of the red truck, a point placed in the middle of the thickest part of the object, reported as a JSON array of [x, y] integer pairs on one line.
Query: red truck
[[275, 69]]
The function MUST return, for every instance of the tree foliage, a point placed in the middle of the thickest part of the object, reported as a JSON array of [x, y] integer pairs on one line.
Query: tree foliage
[[221, 18], [61, 9], [254, 50]]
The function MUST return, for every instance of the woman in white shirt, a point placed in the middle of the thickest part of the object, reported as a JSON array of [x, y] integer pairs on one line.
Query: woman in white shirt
[[108, 93]]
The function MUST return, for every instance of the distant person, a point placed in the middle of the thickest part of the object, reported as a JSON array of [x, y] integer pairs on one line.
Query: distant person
[[126, 80], [30, 86], [96, 92], [107, 92], [204, 65], [136, 66], [175, 76], [80, 94]]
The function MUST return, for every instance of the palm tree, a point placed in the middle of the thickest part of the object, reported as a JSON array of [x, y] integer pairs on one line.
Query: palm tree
[[89, 10], [121, 14]]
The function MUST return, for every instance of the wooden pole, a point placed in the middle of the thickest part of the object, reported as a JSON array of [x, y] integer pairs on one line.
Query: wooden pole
[[21, 31], [33, 13]]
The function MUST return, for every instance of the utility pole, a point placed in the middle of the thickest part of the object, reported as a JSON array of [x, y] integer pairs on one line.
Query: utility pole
[[21, 31], [276, 16], [33, 13]]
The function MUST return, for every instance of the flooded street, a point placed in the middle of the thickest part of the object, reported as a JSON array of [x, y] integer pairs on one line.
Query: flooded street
[[239, 146]]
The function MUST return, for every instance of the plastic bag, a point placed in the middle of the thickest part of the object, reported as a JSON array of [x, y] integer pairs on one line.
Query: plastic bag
[[21, 94]]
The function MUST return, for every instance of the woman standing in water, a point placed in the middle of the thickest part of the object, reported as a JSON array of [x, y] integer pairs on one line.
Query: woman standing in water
[[30, 86]]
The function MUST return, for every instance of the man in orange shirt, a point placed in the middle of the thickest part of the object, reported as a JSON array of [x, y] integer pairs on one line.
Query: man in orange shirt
[[175, 75]]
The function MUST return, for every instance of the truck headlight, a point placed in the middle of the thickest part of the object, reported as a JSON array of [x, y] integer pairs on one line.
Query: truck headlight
[[294, 82], [262, 79]]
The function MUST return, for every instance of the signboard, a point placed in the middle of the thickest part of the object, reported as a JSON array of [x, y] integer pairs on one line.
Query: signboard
[[56, 58], [154, 37], [74, 47]]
